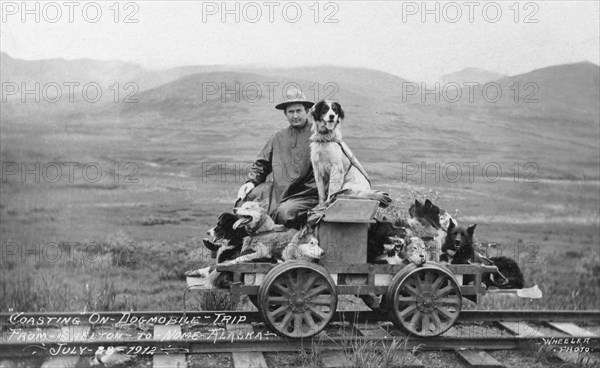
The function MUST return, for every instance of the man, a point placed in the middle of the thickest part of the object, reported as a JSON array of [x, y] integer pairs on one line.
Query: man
[[287, 157]]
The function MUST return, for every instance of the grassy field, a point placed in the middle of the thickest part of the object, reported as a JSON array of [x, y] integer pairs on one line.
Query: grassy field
[[125, 243], [122, 222], [122, 240]]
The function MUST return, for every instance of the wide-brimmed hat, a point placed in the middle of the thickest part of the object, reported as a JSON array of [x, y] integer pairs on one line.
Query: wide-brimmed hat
[[294, 96]]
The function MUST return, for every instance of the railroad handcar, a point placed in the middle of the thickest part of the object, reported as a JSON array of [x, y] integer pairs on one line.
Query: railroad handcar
[[299, 298]]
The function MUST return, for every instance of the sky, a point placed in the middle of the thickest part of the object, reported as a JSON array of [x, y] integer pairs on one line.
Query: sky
[[416, 40]]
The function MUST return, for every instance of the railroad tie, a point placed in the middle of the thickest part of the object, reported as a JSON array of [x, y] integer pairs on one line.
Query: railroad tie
[[478, 358], [372, 330], [572, 330], [171, 360], [375, 330], [246, 359], [249, 360], [521, 329]]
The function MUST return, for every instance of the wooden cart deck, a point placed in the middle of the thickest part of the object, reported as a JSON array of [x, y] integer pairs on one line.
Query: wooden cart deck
[[370, 271]]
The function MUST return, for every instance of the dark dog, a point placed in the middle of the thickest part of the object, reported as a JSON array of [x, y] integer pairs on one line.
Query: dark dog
[[509, 275], [227, 241], [458, 247], [385, 242]]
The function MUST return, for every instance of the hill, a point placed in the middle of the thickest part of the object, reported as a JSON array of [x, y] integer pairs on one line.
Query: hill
[[471, 75], [221, 112]]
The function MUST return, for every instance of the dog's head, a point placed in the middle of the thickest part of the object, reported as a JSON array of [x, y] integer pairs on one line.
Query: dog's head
[[381, 230], [415, 251], [224, 228], [251, 215], [226, 240], [327, 115], [458, 238], [385, 241], [426, 212], [304, 246], [392, 251]]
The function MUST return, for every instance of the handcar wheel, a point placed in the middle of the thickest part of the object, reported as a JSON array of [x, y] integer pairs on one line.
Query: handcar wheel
[[297, 299], [424, 301]]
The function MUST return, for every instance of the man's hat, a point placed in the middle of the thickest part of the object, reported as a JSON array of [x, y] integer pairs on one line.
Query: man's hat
[[294, 96]]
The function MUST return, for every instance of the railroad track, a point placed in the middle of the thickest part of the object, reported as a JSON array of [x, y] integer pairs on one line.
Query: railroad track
[[169, 339]]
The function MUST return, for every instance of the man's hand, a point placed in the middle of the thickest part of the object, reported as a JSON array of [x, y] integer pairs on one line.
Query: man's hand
[[245, 189]]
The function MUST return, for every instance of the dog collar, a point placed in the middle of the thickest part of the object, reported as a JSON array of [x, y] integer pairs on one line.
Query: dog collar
[[258, 226]]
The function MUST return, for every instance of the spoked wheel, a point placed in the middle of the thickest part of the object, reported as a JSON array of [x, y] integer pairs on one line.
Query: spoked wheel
[[297, 299], [424, 301]]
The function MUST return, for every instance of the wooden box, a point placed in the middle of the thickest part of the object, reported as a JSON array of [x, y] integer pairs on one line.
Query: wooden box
[[342, 232]]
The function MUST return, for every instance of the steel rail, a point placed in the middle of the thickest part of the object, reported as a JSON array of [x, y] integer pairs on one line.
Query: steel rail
[[39, 319], [162, 347]]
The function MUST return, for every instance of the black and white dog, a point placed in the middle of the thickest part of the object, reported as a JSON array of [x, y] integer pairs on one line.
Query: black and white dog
[[226, 245], [336, 169], [227, 241]]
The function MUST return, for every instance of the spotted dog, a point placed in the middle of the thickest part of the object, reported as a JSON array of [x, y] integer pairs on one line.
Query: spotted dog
[[335, 168]]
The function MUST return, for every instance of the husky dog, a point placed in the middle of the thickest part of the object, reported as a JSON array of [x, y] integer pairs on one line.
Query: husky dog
[[304, 246], [265, 241], [414, 252]]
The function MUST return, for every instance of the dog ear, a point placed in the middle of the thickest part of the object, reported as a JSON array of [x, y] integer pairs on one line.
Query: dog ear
[[471, 229], [340, 112], [415, 208], [316, 110], [451, 226], [428, 203], [418, 205]]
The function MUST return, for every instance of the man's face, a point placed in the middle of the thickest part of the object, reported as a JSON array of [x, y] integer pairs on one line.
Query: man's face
[[296, 115]]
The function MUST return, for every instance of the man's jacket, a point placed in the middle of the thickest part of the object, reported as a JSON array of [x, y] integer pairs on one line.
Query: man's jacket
[[287, 157]]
